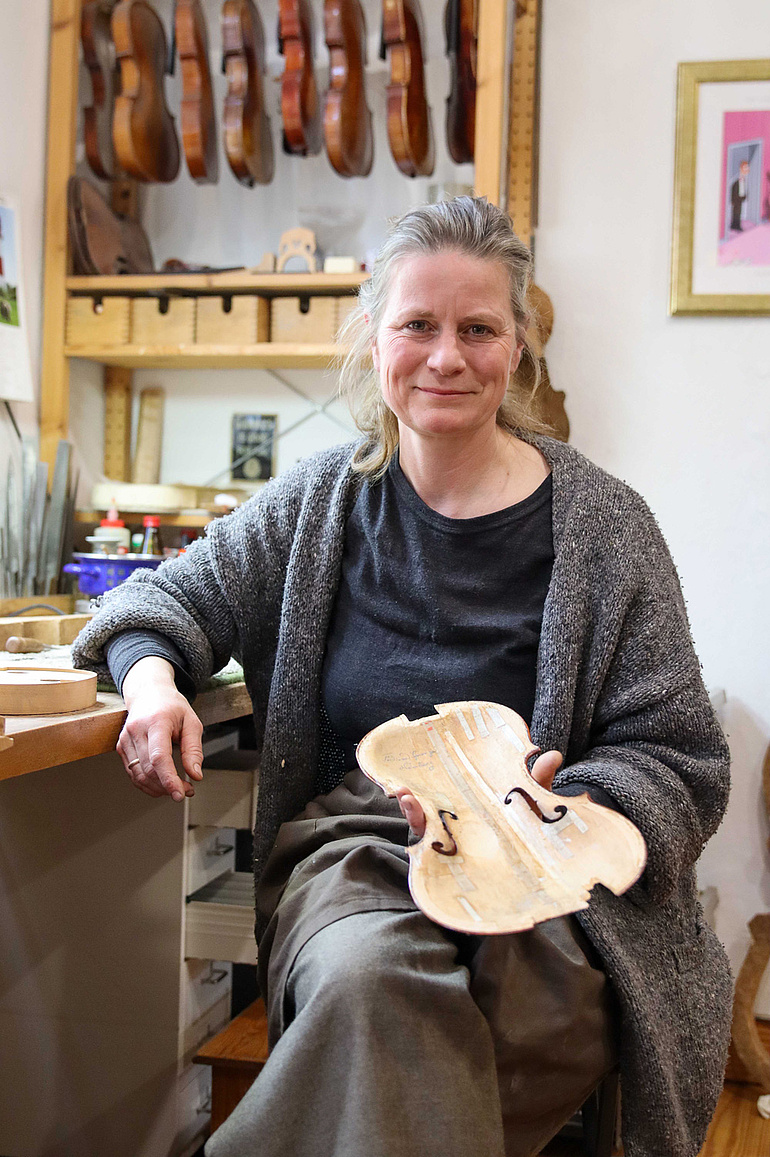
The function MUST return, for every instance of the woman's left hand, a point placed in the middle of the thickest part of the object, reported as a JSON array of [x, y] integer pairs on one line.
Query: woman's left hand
[[543, 770]]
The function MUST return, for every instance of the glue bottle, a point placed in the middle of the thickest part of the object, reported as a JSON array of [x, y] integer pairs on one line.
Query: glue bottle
[[114, 528]]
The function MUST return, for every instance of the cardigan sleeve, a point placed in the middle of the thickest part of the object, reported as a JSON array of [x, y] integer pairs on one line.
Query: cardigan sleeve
[[182, 600], [655, 745]]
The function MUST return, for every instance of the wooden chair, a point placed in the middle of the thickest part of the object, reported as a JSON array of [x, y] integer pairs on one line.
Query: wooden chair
[[594, 1123], [238, 1052]]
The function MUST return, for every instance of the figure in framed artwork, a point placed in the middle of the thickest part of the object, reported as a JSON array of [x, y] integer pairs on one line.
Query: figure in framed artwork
[[739, 191], [744, 226]]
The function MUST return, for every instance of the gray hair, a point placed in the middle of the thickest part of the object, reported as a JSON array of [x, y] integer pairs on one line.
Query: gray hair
[[470, 225]]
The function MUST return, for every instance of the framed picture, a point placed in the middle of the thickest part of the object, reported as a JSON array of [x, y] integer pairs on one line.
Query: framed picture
[[720, 254], [252, 456]]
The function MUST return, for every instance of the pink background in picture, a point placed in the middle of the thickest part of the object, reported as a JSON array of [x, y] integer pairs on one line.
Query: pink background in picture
[[754, 245]]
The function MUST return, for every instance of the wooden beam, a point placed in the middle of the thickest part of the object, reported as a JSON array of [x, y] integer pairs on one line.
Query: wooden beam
[[60, 164], [492, 62]]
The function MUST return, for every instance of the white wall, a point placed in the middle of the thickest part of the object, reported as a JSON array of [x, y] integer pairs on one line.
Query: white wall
[[23, 97], [679, 407]]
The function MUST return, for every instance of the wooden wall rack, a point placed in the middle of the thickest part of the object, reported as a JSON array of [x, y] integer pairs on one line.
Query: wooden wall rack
[[495, 34]]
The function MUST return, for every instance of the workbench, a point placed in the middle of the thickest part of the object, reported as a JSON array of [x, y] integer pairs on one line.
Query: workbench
[[100, 1010]]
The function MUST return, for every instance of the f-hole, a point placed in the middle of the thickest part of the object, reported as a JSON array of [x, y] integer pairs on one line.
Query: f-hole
[[560, 809]]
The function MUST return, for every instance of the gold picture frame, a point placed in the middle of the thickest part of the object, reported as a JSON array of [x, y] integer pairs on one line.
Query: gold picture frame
[[709, 273]]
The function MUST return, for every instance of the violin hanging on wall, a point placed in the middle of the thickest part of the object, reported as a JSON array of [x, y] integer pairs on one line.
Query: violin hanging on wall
[[347, 119], [198, 118], [409, 121], [460, 26], [500, 852], [101, 62], [300, 105], [143, 129], [248, 142]]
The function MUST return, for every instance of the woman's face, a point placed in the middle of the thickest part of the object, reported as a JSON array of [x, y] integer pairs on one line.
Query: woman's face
[[446, 345]]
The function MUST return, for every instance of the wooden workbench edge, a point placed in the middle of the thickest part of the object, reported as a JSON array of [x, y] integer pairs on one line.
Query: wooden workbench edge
[[49, 741]]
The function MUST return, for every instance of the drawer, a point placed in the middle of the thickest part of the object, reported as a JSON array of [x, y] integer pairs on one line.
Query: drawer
[[344, 307], [303, 319], [226, 797], [204, 1028], [193, 1099], [210, 853], [92, 322], [219, 920], [165, 321], [204, 983], [236, 320]]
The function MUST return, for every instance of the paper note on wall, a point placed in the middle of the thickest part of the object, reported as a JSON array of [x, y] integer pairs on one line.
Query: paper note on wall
[[15, 373]]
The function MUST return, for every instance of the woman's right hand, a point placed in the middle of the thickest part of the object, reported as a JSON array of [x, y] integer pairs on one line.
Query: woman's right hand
[[159, 716]]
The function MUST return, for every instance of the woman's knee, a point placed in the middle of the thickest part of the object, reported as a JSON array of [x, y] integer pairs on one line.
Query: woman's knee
[[370, 956]]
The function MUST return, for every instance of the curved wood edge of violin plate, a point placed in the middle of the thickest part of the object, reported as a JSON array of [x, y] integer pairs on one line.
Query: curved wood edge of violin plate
[[500, 852]]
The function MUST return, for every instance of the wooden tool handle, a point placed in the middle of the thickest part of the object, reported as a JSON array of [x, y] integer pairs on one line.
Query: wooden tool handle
[[21, 645]]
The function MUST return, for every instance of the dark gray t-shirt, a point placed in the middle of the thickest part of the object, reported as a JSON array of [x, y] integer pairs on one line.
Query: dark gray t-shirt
[[433, 609]]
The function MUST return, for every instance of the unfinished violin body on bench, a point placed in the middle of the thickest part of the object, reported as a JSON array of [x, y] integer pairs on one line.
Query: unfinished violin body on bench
[[500, 853]]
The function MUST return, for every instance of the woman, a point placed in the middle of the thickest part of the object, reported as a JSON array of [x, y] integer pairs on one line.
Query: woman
[[454, 553]]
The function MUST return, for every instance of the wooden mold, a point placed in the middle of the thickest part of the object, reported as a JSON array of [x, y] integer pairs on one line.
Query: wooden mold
[[163, 321], [500, 853], [235, 320], [303, 319], [45, 690], [91, 321]]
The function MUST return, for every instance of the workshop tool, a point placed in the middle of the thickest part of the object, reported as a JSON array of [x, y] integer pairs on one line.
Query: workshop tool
[[20, 645]]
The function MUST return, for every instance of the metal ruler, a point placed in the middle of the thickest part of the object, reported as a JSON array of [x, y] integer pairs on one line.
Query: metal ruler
[[524, 119]]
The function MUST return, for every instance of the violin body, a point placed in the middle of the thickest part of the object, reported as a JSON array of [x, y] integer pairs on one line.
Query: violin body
[[461, 41], [500, 853], [143, 129], [248, 142], [347, 120], [101, 62], [198, 119], [410, 132], [300, 106]]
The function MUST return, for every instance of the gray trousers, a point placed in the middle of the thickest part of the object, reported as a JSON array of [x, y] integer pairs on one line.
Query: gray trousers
[[400, 1036]]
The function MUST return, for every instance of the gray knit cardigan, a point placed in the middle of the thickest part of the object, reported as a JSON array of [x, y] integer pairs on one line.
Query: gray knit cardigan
[[619, 693]]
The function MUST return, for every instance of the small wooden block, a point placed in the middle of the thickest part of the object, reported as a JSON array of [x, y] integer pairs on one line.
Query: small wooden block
[[54, 630], [340, 265], [236, 320], [288, 323], [45, 690], [152, 326], [93, 322]]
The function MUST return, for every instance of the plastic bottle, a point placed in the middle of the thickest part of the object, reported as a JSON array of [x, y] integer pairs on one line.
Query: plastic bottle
[[152, 543], [114, 528]]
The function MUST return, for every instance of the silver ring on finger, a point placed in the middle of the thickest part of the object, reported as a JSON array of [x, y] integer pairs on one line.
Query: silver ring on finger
[[133, 763]]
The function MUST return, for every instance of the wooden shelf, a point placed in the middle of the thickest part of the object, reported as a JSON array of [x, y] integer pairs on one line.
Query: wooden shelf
[[276, 355], [236, 281], [134, 518]]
